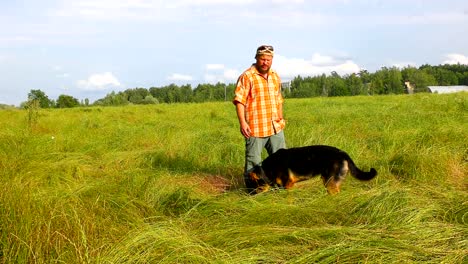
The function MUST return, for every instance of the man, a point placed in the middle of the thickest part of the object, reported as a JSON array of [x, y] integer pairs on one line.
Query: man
[[259, 106]]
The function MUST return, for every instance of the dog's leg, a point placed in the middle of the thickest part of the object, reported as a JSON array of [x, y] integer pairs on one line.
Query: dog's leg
[[333, 187], [333, 180], [292, 179], [340, 176]]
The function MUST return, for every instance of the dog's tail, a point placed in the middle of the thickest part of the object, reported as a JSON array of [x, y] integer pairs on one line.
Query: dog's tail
[[359, 174]]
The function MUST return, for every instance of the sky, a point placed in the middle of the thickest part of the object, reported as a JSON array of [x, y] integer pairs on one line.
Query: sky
[[89, 48]]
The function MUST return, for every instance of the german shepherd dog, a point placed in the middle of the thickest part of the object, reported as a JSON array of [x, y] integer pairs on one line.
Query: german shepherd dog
[[287, 166]]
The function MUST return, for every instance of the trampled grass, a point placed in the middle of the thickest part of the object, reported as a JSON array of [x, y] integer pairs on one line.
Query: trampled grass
[[162, 184]]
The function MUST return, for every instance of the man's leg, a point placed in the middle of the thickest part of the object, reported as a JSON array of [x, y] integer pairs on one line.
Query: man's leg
[[253, 152], [275, 143], [253, 156]]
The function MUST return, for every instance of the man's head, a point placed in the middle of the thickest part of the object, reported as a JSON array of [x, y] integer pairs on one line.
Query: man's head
[[264, 57]]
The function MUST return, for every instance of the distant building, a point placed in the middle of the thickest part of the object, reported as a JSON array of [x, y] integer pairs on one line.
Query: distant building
[[409, 88], [448, 89], [286, 86]]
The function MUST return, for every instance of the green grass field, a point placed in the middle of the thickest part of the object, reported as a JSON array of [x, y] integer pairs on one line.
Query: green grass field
[[162, 184]]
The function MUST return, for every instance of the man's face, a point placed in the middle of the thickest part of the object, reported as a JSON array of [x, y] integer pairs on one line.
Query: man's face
[[263, 64]]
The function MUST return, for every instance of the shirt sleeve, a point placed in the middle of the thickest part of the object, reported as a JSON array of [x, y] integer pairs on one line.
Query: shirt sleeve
[[280, 95], [242, 90]]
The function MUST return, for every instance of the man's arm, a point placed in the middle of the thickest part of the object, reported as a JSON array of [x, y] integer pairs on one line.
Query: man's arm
[[280, 111], [280, 99], [244, 127]]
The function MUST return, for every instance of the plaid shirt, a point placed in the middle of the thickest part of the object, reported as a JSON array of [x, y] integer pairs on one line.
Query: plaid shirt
[[262, 99]]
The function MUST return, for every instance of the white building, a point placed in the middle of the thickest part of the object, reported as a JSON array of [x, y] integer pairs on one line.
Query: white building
[[448, 89]]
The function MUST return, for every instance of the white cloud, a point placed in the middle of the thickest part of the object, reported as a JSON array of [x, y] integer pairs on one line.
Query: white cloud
[[185, 3], [455, 59], [215, 66], [231, 74], [138, 9], [288, 1], [57, 68], [222, 74], [318, 59], [404, 64], [291, 67], [211, 78], [99, 81], [15, 39], [59, 73], [179, 77], [111, 9], [157, 10], [63, 75], [288, 68], [426, 18]]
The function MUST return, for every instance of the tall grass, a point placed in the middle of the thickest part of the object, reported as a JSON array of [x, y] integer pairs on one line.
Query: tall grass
[[161, 184]]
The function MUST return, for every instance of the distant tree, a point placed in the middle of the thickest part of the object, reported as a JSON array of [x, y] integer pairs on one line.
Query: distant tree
[[209, 92], [136, 95], [219, 90], [337, 85], [442, 75], [149, 99], [446, 77], [230, 91], [306, 89], [377, 84], [356, 87], [394, 81], [186, 93], [459, 69], [384, 81], [295, 84], [463, 79], [419, 78], [365, 76], [172, 93], [388, 81], [157, 93], [113, 99], [202, 93], [67, 101], [41, 97], [323, 85], [5, 106]]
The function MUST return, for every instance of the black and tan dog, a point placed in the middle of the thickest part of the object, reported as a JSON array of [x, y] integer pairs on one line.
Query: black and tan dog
[[287, 166]]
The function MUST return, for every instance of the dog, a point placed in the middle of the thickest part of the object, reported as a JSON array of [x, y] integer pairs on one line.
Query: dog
[[285, 167]]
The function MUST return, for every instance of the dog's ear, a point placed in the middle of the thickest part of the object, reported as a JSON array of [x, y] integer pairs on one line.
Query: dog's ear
[[253, 175]]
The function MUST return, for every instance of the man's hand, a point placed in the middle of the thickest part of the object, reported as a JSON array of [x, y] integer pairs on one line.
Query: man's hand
[[245, 129], [244, 126]]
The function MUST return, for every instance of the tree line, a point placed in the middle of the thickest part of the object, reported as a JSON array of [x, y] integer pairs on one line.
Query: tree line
[[387, 80], [384, 81], [170, 94]]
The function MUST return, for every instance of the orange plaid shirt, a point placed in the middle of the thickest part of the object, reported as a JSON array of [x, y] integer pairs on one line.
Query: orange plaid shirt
[[262, 99]]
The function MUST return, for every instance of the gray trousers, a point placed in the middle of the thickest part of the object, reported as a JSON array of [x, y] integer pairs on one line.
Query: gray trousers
[[254, 147]]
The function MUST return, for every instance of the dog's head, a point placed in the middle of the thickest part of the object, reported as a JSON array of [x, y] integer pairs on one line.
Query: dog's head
[[257, 184]]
